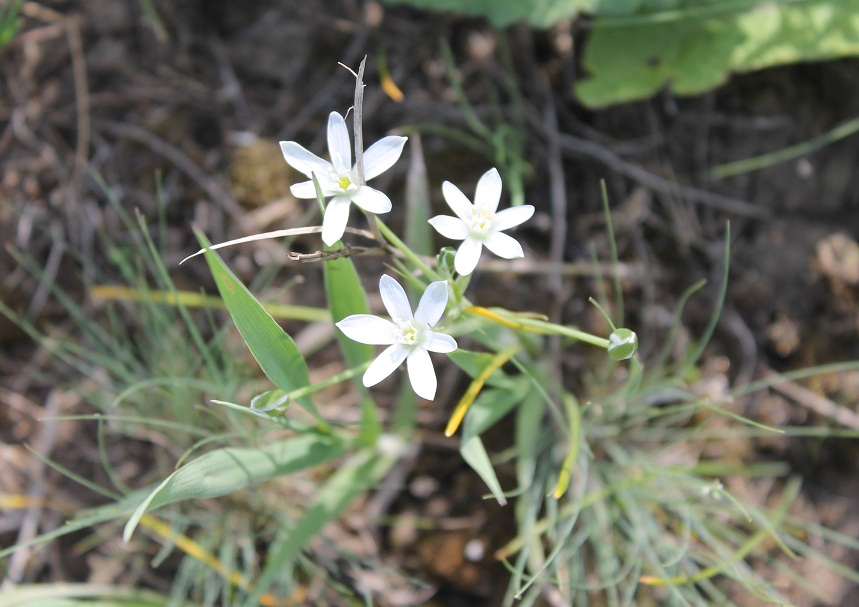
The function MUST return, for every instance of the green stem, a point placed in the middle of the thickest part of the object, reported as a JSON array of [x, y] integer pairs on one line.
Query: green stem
[[410, 255]]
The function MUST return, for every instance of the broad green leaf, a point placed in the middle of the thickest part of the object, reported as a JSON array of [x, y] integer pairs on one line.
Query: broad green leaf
[[226, 470], [694, 50], [359, 474], [270, 345], [540, 13], [486, 410], [346, 296]]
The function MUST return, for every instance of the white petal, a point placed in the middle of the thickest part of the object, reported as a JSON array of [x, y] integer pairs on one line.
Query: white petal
[[339, 146], [506, 219], [371, 200], [303, 161], [450, 227], [391, 358], [438, 342], [488, 191], [421, 373], [457, 201], [394, 298], [432, 304], [382, 155], [368, 329], [306, 189], [504, 246], [335, 219], [467, 256]]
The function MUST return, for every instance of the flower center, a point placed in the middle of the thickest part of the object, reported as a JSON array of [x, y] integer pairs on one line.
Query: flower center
[[344, 183], [481, 221], [407, 332]]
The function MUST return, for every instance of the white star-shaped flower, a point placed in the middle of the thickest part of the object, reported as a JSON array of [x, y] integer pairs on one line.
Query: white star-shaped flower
[[339, 179], [479, 224], [408, 337]]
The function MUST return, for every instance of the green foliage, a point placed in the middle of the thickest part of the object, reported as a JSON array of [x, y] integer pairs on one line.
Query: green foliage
[[270, 345], [692, 49], [636, 47], [10, 23]]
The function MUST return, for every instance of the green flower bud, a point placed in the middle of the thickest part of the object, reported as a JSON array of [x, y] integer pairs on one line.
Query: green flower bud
[[444, 261], [622, 344]]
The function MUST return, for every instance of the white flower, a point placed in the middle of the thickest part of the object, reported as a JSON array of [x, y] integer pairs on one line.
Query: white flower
[[339, 178], [479, 224], [408, 337]]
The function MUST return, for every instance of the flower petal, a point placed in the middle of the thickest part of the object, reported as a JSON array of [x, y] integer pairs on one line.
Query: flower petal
[[335, 219], [504, 246], [304, 161], [508, 218], [339, 146], [467, 256], [371, 200], [432, 304], [421, 373], [488, 191], [368, 329], [457, 201], [394, 298], [385, 364], [450, 227], [382, 155], [306, 189], [438, 342]]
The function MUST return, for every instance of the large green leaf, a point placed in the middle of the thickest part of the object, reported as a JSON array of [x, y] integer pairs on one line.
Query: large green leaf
[[489, 407], [270, 345], [226, 470], [695, 47], [540, 13]]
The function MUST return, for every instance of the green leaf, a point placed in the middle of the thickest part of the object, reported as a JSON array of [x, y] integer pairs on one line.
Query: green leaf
[[696, 47], [540, 13], [346, 296], [486, 410], [270, 345], [418, 234], [226, 470], [358, 475]]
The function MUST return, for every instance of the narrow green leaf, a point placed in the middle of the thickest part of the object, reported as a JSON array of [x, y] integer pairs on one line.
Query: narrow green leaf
[[475, 362], [360, 473], [226, 470], [346, 296], [486, 410], [418, 235], [270, 345]]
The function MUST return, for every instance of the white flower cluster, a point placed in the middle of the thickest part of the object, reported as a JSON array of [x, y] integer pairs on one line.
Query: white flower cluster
[[409, 337]]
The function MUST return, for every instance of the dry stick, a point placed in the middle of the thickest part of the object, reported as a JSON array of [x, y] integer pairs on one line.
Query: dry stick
[[584, 147], [44, 444], [811, 400], [358, 121]]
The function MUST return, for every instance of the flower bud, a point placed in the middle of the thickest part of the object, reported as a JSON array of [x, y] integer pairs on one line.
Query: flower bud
[[622, 344], [444, 261]]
